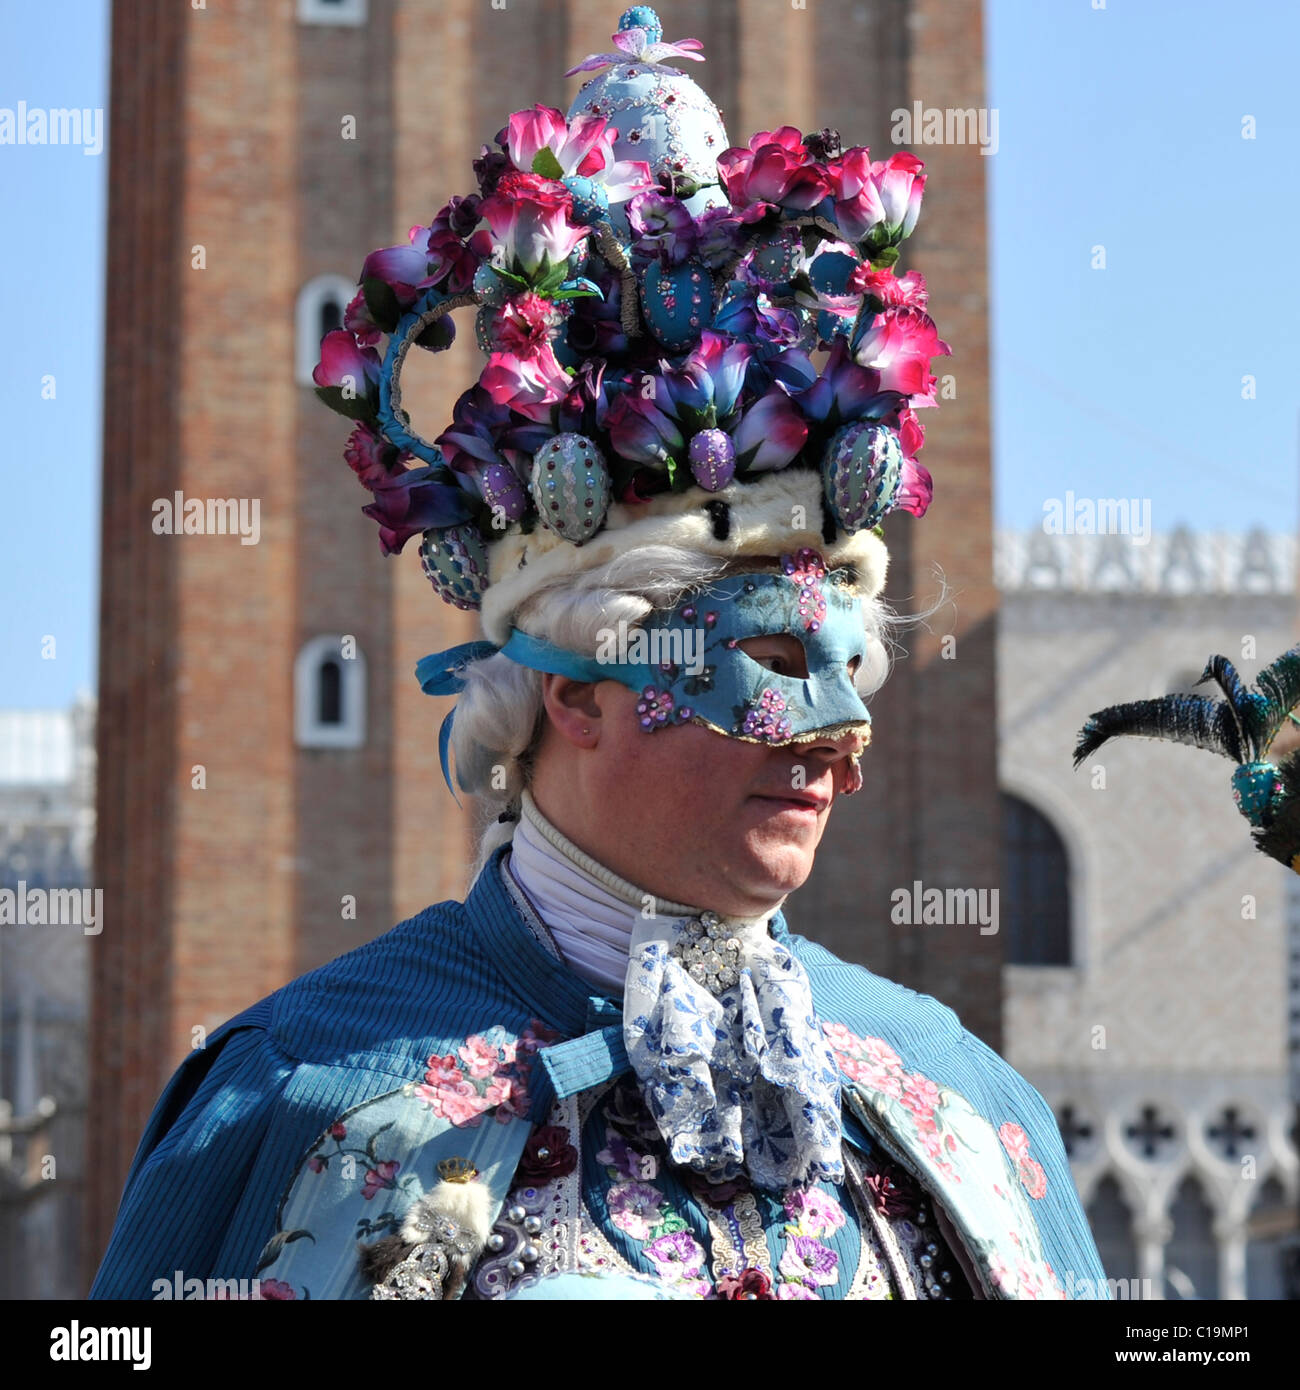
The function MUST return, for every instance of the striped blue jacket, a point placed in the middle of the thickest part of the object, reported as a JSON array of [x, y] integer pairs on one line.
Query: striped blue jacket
[[220, 1187]]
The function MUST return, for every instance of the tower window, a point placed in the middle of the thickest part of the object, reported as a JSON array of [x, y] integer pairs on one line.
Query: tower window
[[330, 694], [332, 12], [322, 303]]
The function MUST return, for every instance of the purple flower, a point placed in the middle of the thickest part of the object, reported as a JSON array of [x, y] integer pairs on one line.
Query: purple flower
[[813, 1212], [635, 1207], [639, 431], [709, 381], [770, 434], [343, 362], [841, 393], [663, 228], [626, 1161], [809, 1261], [677, 1255], [792, 1293], [413, 501]]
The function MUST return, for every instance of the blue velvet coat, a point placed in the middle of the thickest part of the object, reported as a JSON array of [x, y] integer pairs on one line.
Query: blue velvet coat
[[317, 1115]]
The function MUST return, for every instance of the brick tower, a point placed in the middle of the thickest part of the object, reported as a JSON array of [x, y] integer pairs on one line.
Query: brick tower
[[256, 148]]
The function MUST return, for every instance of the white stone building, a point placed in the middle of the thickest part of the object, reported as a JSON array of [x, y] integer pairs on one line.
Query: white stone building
[[47, 828], [1152, 989]]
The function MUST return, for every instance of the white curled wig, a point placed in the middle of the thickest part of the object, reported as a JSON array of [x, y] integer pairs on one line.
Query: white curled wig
[[500, 715]]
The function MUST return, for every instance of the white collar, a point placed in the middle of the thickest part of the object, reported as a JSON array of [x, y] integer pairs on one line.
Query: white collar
[[590, 910]]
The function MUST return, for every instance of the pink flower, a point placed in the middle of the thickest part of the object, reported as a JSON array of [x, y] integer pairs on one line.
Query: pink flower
[[776, 168], [901, 183], [529, 217], [357, 320], [442, 1070], [812, 1212], [645, 47], [525, 325], [920, 1094], [275, 1290], [316, 1163], [879, 1052], [1032, 1177], [402, 268], [1030, 1172], [1014, 1140], [479, 1056], [459, 1103], [528, 385], [899, 345], [791, 1293], [338, 1130], [379, 1177], [344, 363], [585, 147], [771, 433], [858, 205], [890, 289], [508, 1093], [372, 458], [840, 1037]]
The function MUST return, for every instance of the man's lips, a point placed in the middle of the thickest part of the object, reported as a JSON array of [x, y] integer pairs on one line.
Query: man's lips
[[809, 800]]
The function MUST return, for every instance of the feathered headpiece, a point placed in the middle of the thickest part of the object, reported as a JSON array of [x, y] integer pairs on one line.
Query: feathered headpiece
[[1242, 726], [686, 343]]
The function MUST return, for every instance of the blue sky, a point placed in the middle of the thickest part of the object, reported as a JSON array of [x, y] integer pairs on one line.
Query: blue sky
[[1119, 127]]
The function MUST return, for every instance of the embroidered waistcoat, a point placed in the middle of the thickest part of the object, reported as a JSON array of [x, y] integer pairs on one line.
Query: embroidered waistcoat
[[311, 1122]]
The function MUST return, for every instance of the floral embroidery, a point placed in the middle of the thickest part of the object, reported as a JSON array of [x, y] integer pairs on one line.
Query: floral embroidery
[[807, 1264], [382, 1176], [812, 1212], [489, 1071], [750, 1285], [1016, 1142], [808, 1261], [636, 1208], [1024, 1278], [765, 718], [679, 1258], [874, 1064], [807, 568], [547, 1155], [275, 1289]]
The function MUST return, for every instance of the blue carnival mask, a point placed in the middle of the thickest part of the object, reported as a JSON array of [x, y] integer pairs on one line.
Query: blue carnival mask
[[687, 666]]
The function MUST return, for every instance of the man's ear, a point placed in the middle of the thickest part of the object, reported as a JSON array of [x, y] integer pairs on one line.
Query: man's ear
[[572, 708]]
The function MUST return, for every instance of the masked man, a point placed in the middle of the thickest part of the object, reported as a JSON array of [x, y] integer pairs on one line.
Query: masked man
[[613, 1071]]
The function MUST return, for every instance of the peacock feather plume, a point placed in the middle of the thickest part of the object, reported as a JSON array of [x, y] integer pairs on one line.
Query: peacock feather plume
[[1241, 726]]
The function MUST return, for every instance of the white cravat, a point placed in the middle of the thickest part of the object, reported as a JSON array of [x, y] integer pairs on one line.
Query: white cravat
[[737, 1076]]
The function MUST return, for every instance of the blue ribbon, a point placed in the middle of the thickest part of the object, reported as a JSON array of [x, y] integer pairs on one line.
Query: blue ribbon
[[440, 674]]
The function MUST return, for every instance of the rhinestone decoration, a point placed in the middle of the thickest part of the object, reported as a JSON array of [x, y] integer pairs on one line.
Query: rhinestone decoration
[[708, 952], [427, 1269]]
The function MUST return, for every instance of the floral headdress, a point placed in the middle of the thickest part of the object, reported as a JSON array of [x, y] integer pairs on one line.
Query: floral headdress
[[684, 341]]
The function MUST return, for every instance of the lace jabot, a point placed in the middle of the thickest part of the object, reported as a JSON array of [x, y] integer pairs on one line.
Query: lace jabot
[[718, 1017]]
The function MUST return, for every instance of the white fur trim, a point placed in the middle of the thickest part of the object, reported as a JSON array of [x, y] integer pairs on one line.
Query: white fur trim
[[466, 1203], [761, 524]]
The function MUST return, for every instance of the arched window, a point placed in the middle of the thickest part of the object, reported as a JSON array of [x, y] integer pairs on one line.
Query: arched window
[[329, 679], [1035, 887], [332, 11], [1271, 1223], [321, 303], [1112, 1229], [1191, 1257]]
